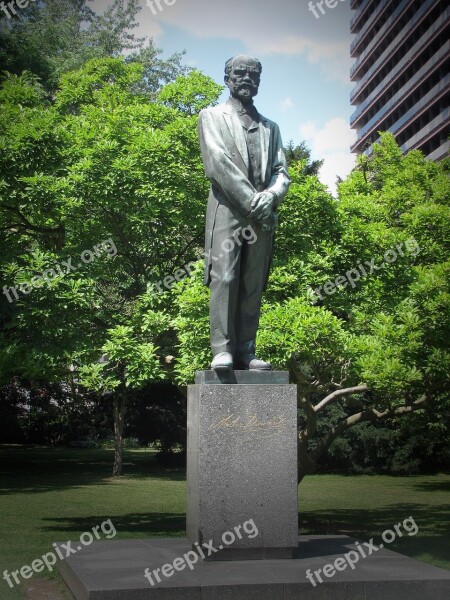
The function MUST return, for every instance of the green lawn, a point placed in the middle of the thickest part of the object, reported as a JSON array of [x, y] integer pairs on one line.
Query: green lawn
[[365, 506], [49, 495]]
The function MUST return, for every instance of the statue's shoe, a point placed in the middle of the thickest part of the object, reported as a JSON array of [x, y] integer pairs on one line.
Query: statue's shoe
[[252, 363], [222, 362]]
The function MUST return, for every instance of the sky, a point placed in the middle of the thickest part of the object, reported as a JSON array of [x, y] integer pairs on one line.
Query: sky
[[305, 84]]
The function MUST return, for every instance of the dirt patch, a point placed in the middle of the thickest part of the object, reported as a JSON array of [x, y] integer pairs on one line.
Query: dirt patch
[[43, 589]]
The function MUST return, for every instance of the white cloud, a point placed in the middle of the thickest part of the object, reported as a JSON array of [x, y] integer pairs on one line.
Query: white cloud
[[332, 143], [336, 164], [287, 28], [332, 57], [308, 130], [286, 104], [334, 135]]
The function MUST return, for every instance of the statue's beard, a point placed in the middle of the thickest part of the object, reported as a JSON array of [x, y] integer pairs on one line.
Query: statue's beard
[[246, 90]]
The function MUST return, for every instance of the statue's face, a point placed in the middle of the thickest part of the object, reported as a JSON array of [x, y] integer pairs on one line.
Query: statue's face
[[244, 79]]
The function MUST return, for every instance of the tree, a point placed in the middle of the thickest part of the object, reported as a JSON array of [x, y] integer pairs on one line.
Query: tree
[[52, 38], [109, 184], [374, 341], [130, 361], [302, 153], [112, 185], [42, 38]]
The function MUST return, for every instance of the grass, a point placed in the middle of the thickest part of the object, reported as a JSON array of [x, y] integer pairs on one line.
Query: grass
[[49, 495], [365, 506]]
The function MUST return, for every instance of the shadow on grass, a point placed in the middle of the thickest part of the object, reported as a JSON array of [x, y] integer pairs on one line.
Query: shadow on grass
[[432, 486], [128, 525], [432, 522], [36, 469]]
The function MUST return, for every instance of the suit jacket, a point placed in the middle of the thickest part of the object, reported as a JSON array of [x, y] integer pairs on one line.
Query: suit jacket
[[225, 158]]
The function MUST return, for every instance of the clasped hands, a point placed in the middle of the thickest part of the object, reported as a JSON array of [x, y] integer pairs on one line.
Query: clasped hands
[[263, 210]]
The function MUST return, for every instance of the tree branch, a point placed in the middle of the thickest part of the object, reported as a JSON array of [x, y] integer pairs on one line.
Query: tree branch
[[336, 394], [369, 414], [25, 223]]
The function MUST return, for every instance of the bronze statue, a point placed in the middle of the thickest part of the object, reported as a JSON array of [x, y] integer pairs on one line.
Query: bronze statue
[[244, 160]]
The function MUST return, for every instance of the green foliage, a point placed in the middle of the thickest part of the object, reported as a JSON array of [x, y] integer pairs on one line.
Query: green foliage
[[306, 240], [44, 39], [418, 444], [102, 163], [302, 154], [19, 91], [392, 326], [52, 38], [386, 357], [387, 332], [191, 323], [50, 413], [110, 156], [295, 328], [101, 82], [190, 94], [130, 362]]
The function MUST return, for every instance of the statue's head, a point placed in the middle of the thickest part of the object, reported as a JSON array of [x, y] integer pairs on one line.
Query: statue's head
[[242, 76]]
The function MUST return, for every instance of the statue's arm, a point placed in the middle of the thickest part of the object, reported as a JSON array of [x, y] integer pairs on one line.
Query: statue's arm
[[280, 180], [219, 167]]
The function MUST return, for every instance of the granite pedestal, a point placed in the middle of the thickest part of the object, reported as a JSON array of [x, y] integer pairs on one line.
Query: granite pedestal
[[242, 464]]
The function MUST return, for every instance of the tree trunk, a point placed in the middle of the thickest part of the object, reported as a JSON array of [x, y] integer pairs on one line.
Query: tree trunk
[[306, 465], [308, 459], [119, 419]]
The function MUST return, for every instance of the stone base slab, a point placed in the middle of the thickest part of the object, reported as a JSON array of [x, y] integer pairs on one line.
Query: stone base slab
[[114, 570]]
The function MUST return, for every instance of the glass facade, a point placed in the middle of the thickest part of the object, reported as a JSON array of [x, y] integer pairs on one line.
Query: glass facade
[[401, 74]]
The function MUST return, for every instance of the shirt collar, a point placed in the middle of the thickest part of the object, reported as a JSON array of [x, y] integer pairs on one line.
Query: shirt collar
[[244, 109]]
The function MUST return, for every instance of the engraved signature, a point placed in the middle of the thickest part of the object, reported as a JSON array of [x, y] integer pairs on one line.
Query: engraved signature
[[268, 427]]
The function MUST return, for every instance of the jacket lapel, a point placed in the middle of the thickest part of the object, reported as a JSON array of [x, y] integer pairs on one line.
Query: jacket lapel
[[237, 133], [265, 141]]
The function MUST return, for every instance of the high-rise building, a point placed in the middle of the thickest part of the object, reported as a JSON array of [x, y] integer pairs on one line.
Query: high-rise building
[[401, 74]]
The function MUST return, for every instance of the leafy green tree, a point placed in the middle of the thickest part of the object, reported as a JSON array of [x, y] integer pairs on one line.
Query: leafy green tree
[[104, 174], [302, 153], [374, 342], [130, 361], [40, 39], [52, 38], [100, 169]]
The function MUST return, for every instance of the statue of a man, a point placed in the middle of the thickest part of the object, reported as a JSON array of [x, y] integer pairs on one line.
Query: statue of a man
[[244, 160]]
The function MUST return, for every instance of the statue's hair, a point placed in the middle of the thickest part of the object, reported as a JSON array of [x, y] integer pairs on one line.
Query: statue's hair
[[229, 63]]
